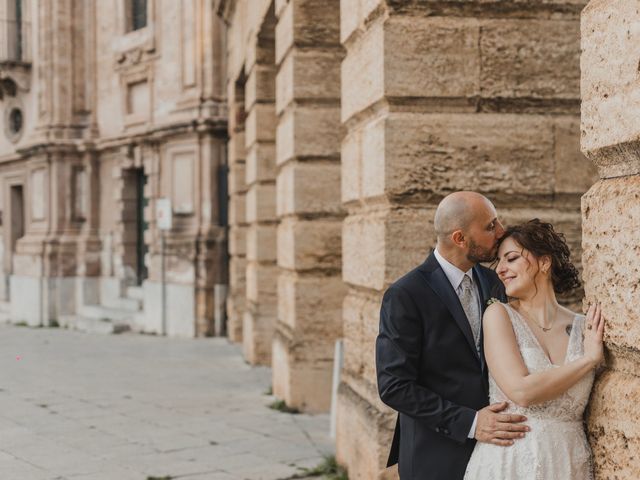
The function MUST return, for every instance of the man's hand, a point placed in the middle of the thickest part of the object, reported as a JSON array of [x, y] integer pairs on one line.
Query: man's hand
[[499, 428]]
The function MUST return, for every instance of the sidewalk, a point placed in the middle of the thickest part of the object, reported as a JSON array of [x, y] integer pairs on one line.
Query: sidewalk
[[133, 407]]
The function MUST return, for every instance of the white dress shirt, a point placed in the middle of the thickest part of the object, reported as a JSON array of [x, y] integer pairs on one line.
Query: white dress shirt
[[455, 276]]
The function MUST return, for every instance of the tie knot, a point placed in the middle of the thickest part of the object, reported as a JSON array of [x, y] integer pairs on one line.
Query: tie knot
[[466, 281]]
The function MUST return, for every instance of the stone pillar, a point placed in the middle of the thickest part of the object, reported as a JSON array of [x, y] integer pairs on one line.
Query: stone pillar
[[260, 135], [237, 186], [611, 223], [310, 287], [438, 97]]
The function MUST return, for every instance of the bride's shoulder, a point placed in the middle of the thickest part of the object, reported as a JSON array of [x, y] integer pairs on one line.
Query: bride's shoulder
[[497, 310]]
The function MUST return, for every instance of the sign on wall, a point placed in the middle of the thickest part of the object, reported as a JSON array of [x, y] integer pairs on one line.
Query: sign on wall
[[164, 214]]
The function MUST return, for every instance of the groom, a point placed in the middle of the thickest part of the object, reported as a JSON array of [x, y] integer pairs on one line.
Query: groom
[[429, 358]]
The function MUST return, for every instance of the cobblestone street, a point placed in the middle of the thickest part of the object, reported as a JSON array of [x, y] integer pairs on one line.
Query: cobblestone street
[[133, 407]]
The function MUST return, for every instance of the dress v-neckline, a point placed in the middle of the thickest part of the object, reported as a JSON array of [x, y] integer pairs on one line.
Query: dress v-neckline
[[537, 342]]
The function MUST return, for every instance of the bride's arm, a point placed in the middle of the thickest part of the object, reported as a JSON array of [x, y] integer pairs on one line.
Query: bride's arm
[[511, 374]]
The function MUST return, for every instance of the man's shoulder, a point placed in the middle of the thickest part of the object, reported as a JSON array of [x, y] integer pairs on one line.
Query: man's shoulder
[[412, 280]]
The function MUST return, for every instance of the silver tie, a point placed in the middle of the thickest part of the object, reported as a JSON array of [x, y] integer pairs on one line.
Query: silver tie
[[471, 308]]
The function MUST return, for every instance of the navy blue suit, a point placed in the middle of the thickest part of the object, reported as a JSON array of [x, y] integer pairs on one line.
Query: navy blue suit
[[430, 371]]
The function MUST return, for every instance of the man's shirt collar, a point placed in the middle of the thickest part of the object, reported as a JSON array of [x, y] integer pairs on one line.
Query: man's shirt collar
[[453, 273]]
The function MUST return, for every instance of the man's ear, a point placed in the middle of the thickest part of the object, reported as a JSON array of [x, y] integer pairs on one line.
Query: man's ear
[[458, 238]]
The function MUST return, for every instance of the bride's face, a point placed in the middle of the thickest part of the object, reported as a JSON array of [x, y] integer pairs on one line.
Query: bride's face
[[517, 269]]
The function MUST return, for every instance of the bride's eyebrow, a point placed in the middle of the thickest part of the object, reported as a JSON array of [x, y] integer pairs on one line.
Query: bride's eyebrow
[[510, 251]]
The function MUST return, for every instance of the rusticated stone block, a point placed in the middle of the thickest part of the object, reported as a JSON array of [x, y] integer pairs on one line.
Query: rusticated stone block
[[574, 173], [610, 98], [237, 209], [257, 337], [351, 182], [260, 86], [363, 436], [308, 74], [303, 384], [238, 275], [262, 287], [307, 188], [237, 147], [307, 22], [308, 131], [379, 247], [360, 314], [237, 240], [447, 152], [353, 14], [260, 124], [309, 244], [261, 203], [364, 68], [613, 429], [611, 222], [530, 58], [312, 307], [260, 162], [431, 56], [236, 179], [261, 243]]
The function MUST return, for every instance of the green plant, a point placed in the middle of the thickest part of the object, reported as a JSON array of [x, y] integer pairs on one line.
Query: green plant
[[281, 406], [328, 469]]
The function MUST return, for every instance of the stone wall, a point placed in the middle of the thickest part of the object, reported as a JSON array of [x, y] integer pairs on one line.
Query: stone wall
[[611, 222], [438, 97]]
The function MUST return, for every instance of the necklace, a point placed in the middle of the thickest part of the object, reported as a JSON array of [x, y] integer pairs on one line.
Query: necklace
[[544, 329]]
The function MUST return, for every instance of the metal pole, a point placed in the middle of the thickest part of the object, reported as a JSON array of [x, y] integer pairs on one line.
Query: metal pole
[[163, 281]]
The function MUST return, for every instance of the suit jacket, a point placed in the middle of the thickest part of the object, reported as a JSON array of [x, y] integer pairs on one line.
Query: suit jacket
[[430, 371]]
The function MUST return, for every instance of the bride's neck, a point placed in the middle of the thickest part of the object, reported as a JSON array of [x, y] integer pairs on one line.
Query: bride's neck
[[541, 306]]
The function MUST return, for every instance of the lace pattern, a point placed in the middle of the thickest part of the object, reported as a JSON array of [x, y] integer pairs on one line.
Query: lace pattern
[[557, 446]]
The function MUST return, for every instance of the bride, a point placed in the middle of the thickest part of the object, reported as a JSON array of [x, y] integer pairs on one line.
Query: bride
[[541, 359]]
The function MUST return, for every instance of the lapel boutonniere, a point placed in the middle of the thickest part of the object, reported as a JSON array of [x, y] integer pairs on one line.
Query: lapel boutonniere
[[492, 300]]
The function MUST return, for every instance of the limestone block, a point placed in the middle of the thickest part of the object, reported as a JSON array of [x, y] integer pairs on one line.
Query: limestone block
[[609, 85], [363, 437], [574, 173], [311, 306], [237, 209], [307, 22], [237, 149], [236, 178], [305, 385], [257, 335], [351, 182], [308, 131], [238, 275], [446, 152], [237, 240], [530, 58], [261, 202], [431, 56], [353, 14], [309, 244], [611, 222], [308, 74], [308, 188], [261, 243], [262, 287], [260, 86], [261, 159], [380, 246], [362, 72], [261, 124], [614, 433], [360, 315]]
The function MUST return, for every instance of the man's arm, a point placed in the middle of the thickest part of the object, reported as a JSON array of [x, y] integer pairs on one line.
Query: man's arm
[[398, 353]]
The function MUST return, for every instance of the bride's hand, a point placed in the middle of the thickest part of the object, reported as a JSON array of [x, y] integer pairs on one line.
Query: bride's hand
[[593, 343]]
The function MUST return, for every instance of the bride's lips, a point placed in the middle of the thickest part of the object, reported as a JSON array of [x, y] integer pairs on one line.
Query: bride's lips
[[506, 280]]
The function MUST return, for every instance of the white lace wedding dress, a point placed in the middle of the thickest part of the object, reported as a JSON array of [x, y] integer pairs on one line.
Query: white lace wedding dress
[[556, 448]]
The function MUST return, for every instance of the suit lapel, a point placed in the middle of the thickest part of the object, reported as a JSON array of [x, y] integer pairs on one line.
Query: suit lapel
[[439, 283]]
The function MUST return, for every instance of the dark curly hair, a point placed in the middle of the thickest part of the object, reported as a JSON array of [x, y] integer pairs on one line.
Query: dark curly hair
[[540, 238]]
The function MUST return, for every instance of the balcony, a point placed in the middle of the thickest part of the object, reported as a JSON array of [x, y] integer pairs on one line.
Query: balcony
[[15, 43]]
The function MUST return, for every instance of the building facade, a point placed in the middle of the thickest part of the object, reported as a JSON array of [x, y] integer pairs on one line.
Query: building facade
[[413, 100], [109, 107]]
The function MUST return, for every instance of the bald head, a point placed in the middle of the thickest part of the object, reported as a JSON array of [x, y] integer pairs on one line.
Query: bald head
[[457, 211]]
